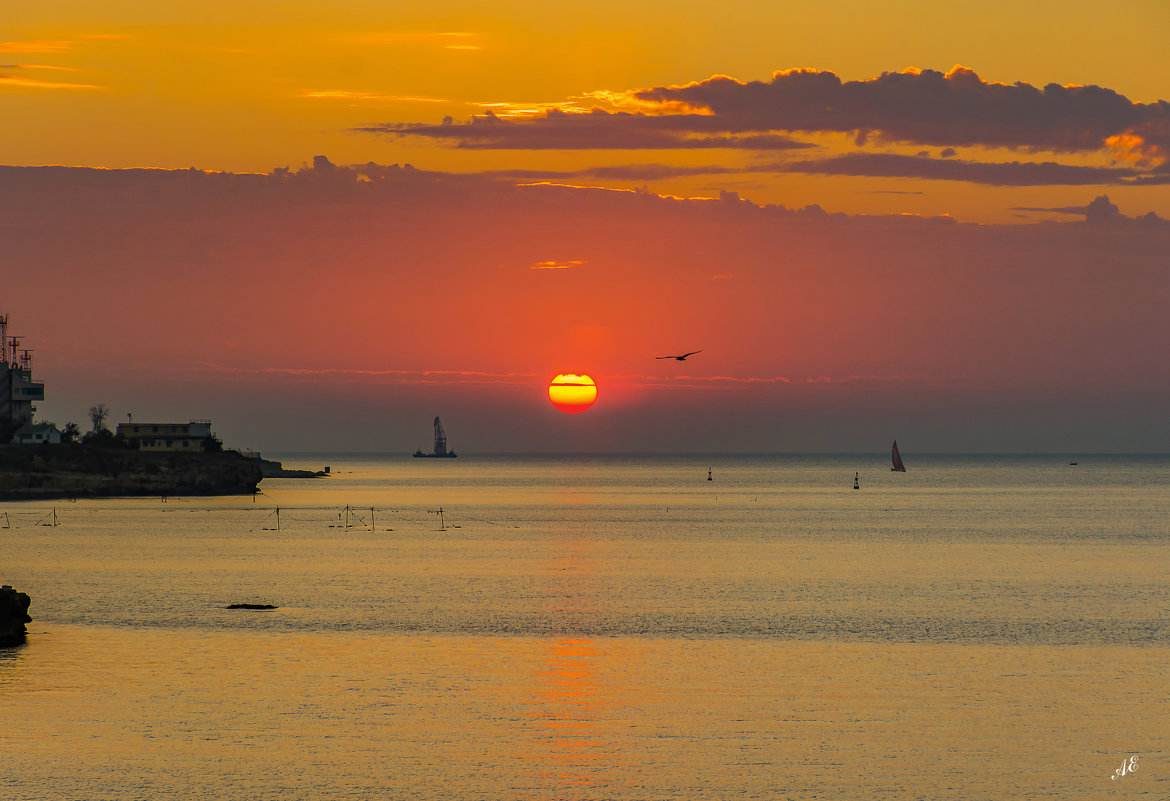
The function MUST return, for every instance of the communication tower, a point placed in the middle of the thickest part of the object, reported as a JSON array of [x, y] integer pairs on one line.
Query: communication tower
[[18, 390]]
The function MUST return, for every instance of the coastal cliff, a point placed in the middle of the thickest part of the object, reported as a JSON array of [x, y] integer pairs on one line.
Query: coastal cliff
[[76, 471], [13, 615]]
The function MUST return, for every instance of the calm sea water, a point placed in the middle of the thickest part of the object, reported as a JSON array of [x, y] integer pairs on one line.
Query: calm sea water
[[601, 628]]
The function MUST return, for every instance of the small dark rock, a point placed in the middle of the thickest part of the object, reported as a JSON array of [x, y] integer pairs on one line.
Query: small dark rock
[[252, 606]]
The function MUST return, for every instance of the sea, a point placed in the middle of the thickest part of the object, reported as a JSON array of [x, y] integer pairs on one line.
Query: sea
[[601, 627]]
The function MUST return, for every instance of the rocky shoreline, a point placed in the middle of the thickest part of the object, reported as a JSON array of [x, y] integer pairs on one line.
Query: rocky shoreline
[[273, 469], [76, 471]]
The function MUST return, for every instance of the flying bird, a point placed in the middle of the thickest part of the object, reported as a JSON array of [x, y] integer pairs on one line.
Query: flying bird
[[681, 358]]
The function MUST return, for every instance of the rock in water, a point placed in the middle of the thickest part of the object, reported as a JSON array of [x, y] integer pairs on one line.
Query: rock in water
[[13, 615]]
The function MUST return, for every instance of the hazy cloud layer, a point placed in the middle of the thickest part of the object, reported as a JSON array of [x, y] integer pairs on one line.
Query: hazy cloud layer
[[375, 297]]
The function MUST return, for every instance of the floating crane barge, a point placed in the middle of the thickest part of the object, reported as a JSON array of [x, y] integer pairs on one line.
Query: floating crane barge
[[440, 451]]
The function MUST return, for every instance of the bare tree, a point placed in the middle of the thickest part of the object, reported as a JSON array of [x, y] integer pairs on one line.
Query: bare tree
[[97, 415]]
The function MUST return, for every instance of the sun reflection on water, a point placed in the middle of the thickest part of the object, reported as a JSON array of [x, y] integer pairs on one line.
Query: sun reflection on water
[[570, 707]]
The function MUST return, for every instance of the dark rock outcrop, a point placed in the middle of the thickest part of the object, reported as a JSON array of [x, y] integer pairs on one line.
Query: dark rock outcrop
[[273, 469], [13, 615], [76, 471]]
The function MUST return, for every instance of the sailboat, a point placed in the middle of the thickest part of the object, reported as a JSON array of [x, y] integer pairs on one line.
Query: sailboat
[[898, 466], [440, 445]]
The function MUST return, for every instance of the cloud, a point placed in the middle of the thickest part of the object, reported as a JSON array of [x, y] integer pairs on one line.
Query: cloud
[[916, 107], [429, 37], [717, 381], [33, 83], [381, 376], [1103, 211], [593, 130], [1015, 173], [35, 46], [345, 94], [37, 67], [884, 165], [557, 265], [629, 172], [447, 40], [924, 107], [371, 375]]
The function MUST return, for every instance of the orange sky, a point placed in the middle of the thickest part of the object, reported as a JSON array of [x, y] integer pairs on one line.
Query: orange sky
[[250, 87], [860, 235]]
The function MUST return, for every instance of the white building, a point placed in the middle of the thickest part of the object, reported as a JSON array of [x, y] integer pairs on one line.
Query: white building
[[37, 434], [193, 436]]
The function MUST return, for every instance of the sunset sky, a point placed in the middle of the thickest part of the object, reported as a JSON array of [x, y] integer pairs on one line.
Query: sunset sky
[[321, 224]]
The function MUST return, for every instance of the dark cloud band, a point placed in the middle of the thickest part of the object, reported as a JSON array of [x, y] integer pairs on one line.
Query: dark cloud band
[[924, 107]]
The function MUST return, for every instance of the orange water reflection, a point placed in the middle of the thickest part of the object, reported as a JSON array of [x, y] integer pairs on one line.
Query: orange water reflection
[[570, 753], [570, 716]]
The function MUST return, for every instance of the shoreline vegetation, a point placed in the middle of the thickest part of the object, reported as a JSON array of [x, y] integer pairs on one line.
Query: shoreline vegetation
[[46, 472]]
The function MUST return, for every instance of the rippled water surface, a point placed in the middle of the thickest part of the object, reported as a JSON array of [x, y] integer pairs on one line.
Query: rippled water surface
[[601, 628]]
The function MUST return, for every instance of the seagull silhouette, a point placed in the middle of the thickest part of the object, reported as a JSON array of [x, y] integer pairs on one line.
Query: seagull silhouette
[[682, 358]]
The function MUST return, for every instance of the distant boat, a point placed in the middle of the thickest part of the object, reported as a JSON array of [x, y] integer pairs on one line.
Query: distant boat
[[440, 445], [898, 466]]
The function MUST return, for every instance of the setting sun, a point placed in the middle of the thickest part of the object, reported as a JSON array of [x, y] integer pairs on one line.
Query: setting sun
[[572, 393]]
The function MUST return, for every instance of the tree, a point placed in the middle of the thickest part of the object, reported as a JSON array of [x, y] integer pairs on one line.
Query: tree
[[97, 414], [71, 433]]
